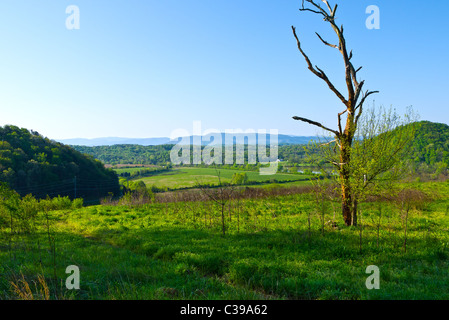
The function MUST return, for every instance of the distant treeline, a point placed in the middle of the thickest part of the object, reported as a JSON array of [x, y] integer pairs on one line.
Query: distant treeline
[[129, 154], [32, 164]]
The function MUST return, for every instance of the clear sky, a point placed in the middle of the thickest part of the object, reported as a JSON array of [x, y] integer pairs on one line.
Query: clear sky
[[143, 68]]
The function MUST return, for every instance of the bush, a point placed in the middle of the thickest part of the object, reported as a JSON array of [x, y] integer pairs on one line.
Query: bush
[[58, 203], [77, 203]]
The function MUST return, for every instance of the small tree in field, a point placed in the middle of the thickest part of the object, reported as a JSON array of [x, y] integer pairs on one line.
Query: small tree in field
[[239, 178], [379, 153], [221, 195]]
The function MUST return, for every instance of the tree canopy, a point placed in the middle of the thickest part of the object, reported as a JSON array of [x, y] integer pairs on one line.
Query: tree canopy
[[32, 164]]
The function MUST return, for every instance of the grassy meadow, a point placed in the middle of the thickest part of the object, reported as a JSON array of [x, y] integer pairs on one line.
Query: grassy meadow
[[187, 177], [283, 247]]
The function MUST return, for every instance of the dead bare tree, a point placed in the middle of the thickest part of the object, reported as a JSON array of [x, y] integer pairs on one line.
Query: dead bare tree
[[353, 103]]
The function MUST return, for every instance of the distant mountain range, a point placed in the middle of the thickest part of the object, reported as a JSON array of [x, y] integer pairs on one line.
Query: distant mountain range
[[205, 140]]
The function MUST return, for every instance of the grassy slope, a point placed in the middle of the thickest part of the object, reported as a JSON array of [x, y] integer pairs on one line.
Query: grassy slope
[[175, 251]]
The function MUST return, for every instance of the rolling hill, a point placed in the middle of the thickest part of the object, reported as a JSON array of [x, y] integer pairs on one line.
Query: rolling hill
[[32, 164]]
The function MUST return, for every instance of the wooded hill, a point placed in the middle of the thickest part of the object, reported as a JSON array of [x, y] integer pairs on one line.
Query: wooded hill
[[431, 143], [32, 164]]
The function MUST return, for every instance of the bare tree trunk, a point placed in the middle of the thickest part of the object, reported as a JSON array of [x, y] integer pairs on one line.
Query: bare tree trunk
[[347, 199]]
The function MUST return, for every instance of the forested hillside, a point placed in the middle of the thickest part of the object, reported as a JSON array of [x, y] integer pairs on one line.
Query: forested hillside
[[129, 154], [431, 143], [30, 163]]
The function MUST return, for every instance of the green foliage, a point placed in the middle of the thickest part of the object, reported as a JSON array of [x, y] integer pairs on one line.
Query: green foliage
[[379, 152], [9, 204], [30, 163], [129, 154], [239, 178], [136, 193], [430, 143], [20, 214]]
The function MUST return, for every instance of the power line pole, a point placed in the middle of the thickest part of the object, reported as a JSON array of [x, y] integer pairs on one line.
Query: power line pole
[[75, 186]]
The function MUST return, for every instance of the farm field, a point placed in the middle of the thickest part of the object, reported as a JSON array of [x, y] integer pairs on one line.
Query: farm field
[[273, 248], [186, 177]]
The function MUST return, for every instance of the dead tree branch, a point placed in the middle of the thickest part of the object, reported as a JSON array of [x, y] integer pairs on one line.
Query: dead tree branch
[[316, 124]]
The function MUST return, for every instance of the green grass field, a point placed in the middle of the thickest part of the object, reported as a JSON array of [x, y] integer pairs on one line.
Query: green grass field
[[274, 248], [188, 177]]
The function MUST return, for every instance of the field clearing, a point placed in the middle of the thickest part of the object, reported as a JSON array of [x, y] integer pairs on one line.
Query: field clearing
[[189, 177]]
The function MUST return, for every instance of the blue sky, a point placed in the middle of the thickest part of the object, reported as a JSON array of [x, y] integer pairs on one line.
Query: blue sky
[[145, 68]]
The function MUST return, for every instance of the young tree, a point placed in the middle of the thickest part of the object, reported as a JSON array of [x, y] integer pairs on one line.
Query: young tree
[[353, 103], [379, 155], [221, 195], [239, 178]]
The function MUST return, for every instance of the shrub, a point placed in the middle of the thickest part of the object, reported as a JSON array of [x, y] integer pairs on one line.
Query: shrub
[[77, 203]]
